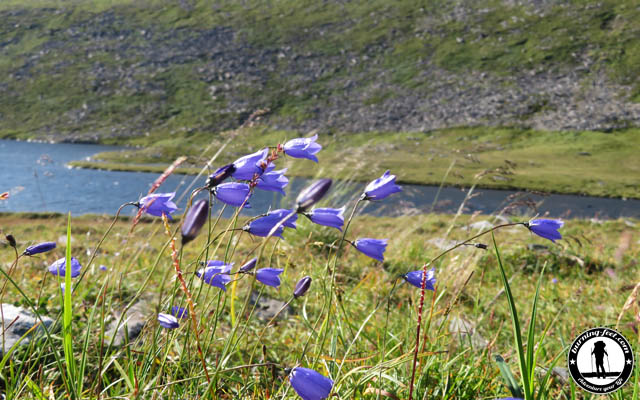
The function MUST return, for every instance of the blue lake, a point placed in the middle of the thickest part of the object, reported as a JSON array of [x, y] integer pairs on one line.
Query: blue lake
[[38, 179]]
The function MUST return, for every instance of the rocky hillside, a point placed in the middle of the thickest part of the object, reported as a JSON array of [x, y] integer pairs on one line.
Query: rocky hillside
[[99, 70]]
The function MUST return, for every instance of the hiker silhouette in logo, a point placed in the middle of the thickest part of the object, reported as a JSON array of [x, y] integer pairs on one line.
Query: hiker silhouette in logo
[[599, 352]]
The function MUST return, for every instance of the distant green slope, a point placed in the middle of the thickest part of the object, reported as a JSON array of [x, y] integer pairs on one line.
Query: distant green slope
[[109, 70]]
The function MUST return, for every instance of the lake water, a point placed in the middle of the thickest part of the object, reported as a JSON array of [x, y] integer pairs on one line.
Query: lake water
[[38, 179]]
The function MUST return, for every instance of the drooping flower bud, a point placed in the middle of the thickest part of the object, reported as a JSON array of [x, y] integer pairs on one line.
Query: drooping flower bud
[[312, 194], [251, 264], [11, 240], [194, 220], [302, 287], [39, 248], [220, 175]]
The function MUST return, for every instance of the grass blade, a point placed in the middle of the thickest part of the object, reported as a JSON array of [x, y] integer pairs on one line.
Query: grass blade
[[68, 316]]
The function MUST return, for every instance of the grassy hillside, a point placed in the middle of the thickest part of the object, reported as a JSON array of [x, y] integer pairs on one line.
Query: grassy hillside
[[107, 70]]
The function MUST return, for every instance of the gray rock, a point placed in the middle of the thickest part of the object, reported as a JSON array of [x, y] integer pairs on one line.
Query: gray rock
[[267, 308], [466, 333], [17, 322], [134, 320], [561, 374]]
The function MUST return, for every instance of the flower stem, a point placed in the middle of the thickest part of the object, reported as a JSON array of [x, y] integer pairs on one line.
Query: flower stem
[[422, 290]]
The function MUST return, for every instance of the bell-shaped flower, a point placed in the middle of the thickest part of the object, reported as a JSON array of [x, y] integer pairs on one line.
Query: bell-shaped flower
[[59, 267], [309, 384], [274, 181], [263, 225], [39, 248], [381, 187], [312, 194], [269, 276], [158, 204], [302, 287], [248, 266], [303, 148], [220, 175], [546, 228], [233, 193], [332, 217], [415, 278], [373, 248], [246, 167], [216, 274], [283, 213], [179, 312], [168, 321], [194, 220]]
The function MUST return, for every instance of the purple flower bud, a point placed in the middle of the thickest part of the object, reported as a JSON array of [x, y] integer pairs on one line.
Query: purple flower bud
[[179, 312], [546, 228], [312, 194], [303, 148], [373, 248], [39, 248], [158, 204], [194, 220], [58, 267], [11, 240], [273, 181], [233, 193], [302, 286], [269, 276], [481, 246], [251, 264], [216, 274], [332, 217], [415, 278], [168, 321], [263, 225], [246, 167], [381, 187], [309, 384], [220, 175], [103, 268]]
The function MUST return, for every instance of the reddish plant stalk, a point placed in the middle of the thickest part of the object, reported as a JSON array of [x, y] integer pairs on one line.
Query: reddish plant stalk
[[187, 293], [415, 353]]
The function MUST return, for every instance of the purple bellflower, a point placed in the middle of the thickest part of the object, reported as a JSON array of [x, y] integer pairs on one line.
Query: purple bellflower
[[248, 266], [269, 276], [246, 167], [179, 312], [274, 181], [58, 267], [332, 217], [263, 225], [39, 248], [373, 248], [194, 220], [546, 228], [216, 274], [233, 193], [220, 175], [102, 268], [281, 214], [168, 321], [302, 287], [312, 194], [309, 384], [381, 187], [303, 148], [415, 278], [158, 204]]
